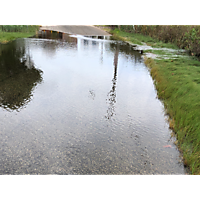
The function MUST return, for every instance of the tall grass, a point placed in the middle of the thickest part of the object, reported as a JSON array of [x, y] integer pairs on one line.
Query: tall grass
[[178, 85]]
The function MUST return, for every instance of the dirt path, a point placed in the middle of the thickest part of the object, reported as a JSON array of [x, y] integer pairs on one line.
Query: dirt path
[[86, 30]]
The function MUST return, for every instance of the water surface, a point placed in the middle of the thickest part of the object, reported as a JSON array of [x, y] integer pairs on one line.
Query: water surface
[[80, 105]]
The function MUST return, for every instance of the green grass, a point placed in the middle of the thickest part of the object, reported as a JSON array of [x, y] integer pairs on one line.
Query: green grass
[[178, 85], [9, 34], [177, 82], [124, 36]]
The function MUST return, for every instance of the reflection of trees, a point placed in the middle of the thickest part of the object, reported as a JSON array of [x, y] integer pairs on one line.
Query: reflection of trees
[[18, 76], [128, 52], [112, 94]]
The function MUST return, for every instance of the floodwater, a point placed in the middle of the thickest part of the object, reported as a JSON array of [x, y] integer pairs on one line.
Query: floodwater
[[80, 105]]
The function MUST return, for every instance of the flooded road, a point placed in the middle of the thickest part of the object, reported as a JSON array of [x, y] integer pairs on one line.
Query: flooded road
[[80, 105]]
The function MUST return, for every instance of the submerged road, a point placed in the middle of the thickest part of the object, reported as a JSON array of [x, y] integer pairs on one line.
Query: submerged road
[[86, 30]]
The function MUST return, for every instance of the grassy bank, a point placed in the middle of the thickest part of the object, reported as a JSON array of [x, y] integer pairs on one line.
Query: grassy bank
[[178, 85], [184, 36], [6, 37], [12, 32], [177, 80]]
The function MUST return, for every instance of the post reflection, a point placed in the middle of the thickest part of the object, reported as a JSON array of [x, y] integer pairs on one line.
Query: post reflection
[[101, 57], [112, 94]]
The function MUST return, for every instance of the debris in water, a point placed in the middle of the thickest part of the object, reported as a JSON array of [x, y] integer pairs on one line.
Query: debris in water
[[167, 146]]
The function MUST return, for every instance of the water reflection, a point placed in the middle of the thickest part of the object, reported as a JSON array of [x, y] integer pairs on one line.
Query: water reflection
[[128, 52], [18, 76], [112, 94], [94, 42], [101, 58], [85, 42], [55, 36], [99, 37], [55, 41]]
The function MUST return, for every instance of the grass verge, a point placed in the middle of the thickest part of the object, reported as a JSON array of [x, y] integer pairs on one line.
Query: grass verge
[[177, 82], [9, 36], [178, 85]]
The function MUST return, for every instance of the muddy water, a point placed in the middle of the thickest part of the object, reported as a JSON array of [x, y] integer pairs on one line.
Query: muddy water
[[80, 105]]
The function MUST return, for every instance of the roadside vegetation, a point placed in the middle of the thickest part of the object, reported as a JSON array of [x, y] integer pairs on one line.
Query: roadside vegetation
[[12, 32], [184, 37], [177, 80]]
